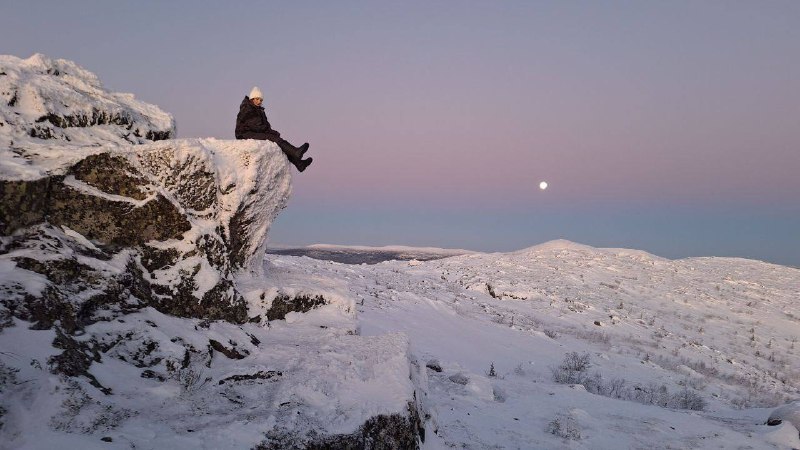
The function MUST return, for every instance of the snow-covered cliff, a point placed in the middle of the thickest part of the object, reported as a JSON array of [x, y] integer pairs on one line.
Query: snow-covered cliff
[[79, 168], [133, 300]]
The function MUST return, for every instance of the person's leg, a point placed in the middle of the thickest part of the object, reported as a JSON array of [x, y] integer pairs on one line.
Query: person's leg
[[295, 154]]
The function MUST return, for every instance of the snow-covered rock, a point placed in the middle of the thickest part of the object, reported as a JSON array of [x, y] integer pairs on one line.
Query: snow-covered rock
[[786, 413], [173, 220], [52, 107], [177, 219], [134, 307]]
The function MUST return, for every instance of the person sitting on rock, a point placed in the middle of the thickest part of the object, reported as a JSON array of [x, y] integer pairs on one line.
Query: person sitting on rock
[[252, 123]]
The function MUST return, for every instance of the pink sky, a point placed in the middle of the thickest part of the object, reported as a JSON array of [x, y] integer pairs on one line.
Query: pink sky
[[467, 106]]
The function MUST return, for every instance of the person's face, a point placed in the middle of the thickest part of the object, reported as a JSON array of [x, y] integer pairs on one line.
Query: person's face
[[257, 101]]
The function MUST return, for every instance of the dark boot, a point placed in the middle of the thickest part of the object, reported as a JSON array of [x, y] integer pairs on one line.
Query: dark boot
[[302, 164], [292, 152], [303, 149]]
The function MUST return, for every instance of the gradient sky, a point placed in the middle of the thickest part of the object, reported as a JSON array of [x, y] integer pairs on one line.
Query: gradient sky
[[671, 127]]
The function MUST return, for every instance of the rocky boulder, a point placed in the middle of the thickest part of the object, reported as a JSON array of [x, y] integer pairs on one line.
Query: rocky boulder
[[180, 217], [99, 201]]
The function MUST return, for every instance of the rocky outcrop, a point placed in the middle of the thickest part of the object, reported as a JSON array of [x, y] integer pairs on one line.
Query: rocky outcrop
[[122, 255], [84, 184], [187, 215]]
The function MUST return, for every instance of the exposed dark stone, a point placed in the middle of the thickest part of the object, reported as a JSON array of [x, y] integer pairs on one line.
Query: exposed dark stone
[[156, 258], [260, 375], [97, 118], [59, 271], [113, 223], [22, 203], [434, 365], [116, 224], [231, 353], [150, 374], [42, 132], [239, 237], [57, 302], [283, 304], [13, 100], [44, 311], [75, 359], [158, 135], [112, 174], [133, 280], [193, 186], [215, 252], [382, 432], [222, 302]]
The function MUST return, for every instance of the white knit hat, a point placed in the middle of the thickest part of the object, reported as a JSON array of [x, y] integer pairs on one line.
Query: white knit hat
[[256, 93]]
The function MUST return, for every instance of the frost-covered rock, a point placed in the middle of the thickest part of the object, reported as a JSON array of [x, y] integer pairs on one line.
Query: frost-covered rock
[[52, 107], [134, 306], [91, 203], [173, 221], [789, 413]]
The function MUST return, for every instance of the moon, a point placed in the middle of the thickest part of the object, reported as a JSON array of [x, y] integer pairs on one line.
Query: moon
[[543, 185]]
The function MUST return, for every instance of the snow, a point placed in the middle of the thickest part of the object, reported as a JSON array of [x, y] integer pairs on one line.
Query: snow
[[365, 353], [787, 418], [680, 324], [38, 88], [475, 341]]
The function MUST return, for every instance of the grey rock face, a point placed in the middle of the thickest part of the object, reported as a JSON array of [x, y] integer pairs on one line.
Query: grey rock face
[[187, 237]]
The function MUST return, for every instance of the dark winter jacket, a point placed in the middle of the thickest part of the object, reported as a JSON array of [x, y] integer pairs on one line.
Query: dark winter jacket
[[252, 123]]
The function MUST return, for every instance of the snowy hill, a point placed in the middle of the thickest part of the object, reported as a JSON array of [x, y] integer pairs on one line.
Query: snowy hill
[[690, 353]]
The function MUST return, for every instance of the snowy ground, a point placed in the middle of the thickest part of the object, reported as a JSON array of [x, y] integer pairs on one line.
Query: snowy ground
[[718, 329]]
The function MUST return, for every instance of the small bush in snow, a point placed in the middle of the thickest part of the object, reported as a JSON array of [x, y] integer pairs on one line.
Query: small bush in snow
[[551, 334], [564, 427], [459, 378], [687, 399], [491, 372], [572, 369]]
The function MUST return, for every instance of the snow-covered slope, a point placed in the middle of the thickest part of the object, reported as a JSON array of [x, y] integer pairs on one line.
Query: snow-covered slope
[[690, 353]]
